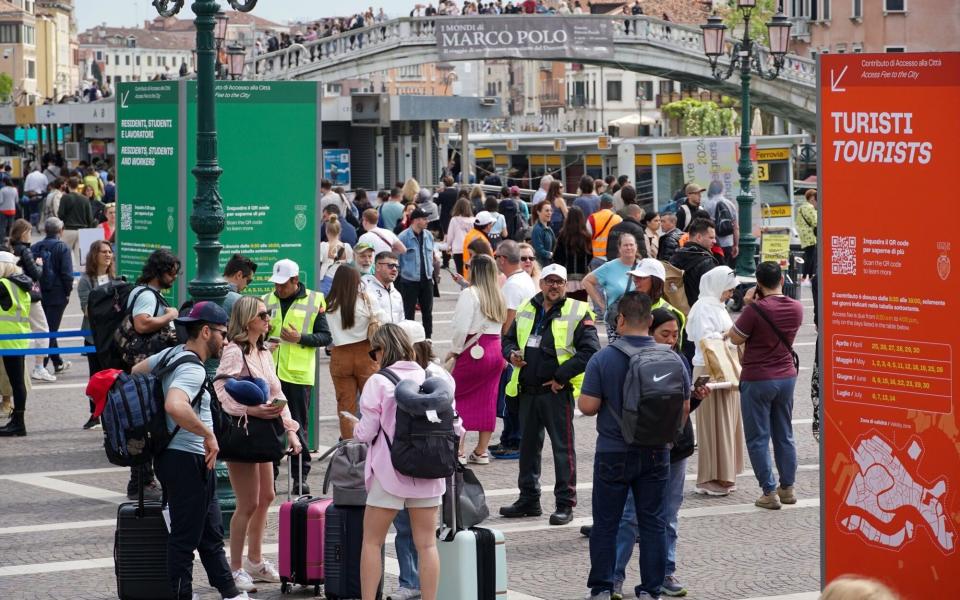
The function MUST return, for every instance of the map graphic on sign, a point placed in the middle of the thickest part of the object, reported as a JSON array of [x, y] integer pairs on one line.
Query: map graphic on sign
[[885, 503]]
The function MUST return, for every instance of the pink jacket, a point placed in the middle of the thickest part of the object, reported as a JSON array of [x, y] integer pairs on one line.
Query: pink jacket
[[261, 365], [378, 409]]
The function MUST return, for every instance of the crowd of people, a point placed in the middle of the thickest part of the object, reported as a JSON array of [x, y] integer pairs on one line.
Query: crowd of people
[[536, 281]]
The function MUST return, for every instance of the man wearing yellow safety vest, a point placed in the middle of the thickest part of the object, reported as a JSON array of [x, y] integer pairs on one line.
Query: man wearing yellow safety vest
[[599, 225], [297, 319], [549, 345]]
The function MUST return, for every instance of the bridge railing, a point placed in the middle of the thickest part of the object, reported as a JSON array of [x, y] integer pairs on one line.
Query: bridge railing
[[419, 31]]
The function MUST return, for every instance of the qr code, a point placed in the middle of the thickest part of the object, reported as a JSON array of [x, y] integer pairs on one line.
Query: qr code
[[843, 255], [126, 217]]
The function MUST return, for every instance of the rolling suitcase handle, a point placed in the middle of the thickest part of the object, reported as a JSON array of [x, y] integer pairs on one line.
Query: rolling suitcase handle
[[290, 472]]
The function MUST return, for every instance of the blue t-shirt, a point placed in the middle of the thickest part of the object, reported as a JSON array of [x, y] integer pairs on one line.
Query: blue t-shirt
[[390, 214], [188, 378], [604, 378], [588, 204], [613, 279]]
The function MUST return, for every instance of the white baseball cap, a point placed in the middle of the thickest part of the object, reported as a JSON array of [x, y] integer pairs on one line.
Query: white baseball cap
[[414, 331], [484, 218], [650, 267], [555, 270], [8, 257], [284, 270]]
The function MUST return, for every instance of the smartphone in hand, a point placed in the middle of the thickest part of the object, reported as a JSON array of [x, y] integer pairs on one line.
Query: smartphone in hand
[[278, 402], [701, 381]]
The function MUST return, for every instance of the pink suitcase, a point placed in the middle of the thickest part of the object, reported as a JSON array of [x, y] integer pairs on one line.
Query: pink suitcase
[[302, 523]]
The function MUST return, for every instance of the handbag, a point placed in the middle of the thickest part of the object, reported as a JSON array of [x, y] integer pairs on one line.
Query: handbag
[[246, 439], [722, 361], [783, 338], [476, 352], [471, 498]]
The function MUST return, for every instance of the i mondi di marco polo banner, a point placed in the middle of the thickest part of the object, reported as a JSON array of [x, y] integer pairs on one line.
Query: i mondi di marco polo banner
[[534, 37]]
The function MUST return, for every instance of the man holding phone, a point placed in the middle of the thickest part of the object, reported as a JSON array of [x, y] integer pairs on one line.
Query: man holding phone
[[299, 322]]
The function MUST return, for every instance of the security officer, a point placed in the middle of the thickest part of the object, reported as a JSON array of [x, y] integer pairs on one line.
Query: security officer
[[14, 319], [549, 345], [297, 319]]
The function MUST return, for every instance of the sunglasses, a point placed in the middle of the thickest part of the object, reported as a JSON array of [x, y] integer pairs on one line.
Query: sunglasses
[[373, 354], [222, 332], [390, 266], [265, 315], [553, 282], [526, 258]]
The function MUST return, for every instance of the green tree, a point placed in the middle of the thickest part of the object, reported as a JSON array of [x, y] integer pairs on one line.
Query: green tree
[[759, 16], [6, 87], [700, 118]]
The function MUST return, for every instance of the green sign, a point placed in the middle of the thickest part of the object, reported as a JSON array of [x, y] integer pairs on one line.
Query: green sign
[[267, 136], [148, 174]]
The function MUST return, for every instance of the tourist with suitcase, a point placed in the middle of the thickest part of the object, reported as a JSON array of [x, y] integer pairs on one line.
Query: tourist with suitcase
[[402, 392]]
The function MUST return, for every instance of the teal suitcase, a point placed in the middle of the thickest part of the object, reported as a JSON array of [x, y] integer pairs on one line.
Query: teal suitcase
[[473, 562]]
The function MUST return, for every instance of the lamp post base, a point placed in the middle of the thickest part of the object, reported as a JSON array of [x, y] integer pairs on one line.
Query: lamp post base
[[747, 257]]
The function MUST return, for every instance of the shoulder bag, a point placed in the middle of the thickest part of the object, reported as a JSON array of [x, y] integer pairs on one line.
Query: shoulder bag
[[246, 439], [780, 335]]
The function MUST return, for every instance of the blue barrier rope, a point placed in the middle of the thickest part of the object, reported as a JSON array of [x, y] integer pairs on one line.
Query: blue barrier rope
[[49, 351], [48, 335]]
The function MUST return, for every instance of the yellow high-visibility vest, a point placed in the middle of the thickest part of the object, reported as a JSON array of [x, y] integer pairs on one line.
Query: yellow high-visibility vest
[[295, 363], [16, 319]]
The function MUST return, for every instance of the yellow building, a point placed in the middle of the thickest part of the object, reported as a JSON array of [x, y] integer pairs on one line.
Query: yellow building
[[18, 52], [57, 72]]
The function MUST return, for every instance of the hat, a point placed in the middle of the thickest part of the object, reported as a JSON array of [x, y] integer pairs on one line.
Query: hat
[[284, 270], [6, 257], [414, 331], [205, 312], [514, 190], [362, 247], [555, 270], [650, 267], [484, 218], [693, 188], [249, 391], [98, 386], [418, 213]]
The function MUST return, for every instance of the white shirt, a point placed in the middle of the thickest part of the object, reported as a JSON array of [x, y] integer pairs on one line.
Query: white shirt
[[517, 289], [538, 197], [334, 198], [35, 182], [381, 239], [389, 301], [468, 320], [361, 318]]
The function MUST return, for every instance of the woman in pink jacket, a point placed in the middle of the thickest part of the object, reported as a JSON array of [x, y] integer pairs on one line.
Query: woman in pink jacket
[[247, 355], [388, 492]]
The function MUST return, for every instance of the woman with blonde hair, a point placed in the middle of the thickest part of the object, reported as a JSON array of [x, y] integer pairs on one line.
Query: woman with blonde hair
[[333, 253], [719, 421], [410, 190], [350, 314], [856, 588], [20, 247], [477, 322], [246, 355], [528, 262]]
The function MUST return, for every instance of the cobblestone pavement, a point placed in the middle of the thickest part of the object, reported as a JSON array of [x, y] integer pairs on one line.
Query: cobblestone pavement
[[59, 496]]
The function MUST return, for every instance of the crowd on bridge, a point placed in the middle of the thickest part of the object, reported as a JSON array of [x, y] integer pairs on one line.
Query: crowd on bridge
[[542, 284]]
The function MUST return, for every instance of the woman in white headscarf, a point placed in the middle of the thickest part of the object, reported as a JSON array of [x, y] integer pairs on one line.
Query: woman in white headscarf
[[719, 422]]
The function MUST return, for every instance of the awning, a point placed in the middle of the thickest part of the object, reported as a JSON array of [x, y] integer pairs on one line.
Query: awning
[[633, 120], [6, 140]]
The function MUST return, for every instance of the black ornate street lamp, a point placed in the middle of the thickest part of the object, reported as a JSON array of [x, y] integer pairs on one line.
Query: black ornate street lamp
[[745, 54], [207, 219]]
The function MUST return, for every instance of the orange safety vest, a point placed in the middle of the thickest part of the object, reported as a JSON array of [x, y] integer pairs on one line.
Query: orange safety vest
[[471, 235], [601, 233]]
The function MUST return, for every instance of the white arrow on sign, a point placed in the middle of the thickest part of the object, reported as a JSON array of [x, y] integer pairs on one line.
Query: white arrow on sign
[[123, 100], [835, 81]]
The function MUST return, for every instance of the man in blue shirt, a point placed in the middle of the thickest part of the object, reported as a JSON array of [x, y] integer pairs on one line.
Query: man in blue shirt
[[416, 270], [185, 467], [620, 467], [588, 201]]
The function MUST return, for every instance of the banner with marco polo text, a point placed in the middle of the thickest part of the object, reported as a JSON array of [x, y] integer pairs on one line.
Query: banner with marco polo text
[[528, 37]]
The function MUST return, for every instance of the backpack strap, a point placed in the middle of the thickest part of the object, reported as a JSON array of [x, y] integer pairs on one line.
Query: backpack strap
[[167, 366]]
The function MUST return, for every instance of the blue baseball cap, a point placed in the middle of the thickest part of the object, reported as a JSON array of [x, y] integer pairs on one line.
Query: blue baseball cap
[[206, 312]]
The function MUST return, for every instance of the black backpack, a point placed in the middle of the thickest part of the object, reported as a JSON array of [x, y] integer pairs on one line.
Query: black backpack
[[424, 443], [106, 308], [653, 395], [723, 219]]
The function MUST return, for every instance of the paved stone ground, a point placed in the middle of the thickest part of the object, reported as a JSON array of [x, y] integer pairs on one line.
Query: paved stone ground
[[56, 529]]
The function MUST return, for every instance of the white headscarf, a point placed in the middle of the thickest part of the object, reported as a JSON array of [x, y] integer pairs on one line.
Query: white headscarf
[[708, 316]]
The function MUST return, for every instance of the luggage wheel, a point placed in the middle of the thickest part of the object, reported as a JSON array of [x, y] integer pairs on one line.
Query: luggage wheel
[[284, 588]]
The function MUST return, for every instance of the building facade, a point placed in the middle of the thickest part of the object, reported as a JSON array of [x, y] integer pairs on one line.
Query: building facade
[[599, 98], [57, 46], [18, 48], [134, 54]]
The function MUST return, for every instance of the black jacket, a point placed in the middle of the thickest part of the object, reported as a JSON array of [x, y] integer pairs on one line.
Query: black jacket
[[542, 366], [446, 200], [27, 261], [75, 212], [669, 244], [695, 260], [628, 225], [21, 281], [321, 331]]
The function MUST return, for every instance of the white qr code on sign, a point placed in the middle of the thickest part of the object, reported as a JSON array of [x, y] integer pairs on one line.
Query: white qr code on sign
[[843, 255]]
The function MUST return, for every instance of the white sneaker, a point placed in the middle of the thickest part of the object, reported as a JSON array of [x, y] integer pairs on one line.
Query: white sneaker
[[65, 366], [243, 581], [404, 594], [265, 571], [41, 374], [242, 596]]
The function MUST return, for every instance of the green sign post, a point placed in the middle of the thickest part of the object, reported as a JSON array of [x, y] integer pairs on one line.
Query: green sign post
[[269, 148]]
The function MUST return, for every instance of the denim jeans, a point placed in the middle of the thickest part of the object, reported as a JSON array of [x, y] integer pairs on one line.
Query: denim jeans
[[767, 413], [406, 552], [627, 536], [511, 434], [645, 472]]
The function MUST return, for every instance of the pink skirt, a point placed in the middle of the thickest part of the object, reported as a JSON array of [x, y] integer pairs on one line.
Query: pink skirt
[[477, 385]]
